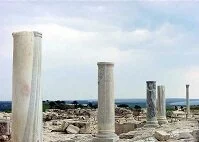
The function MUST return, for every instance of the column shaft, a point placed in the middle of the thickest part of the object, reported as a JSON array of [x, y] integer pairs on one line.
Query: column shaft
[[187, 100], [106, 103], [161, 106], [151, 105], [26, 96]]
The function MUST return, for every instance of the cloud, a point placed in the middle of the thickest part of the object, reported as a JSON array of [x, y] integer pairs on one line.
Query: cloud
[[73, 41], [63, 45]]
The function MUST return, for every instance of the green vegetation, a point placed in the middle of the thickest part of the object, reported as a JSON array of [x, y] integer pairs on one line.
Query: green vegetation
[[170, 108], [137, 110], [195, 107], [123, 105], [63, 106], [8, 111], [45, 106]]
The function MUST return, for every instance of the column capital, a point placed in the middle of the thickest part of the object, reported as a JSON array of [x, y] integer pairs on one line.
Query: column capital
[[150, 81], [187, 85], [27, 33], [160, 86], [105, 63]]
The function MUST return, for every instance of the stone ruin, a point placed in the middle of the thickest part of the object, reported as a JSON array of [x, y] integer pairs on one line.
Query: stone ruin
[[5, 131], [104, 125]]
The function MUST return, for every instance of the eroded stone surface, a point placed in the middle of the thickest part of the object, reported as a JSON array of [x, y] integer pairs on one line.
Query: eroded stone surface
[[4, 127], [26, 95], [151, 105], [161, 105], [71, 129], [106, 103], [161, 135]]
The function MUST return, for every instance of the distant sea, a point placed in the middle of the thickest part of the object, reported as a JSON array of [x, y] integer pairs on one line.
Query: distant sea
[[6, 105]]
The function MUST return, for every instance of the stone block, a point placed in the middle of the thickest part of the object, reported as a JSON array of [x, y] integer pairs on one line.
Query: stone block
[[4, 127], [125, 127], [161, 135], [71, 129], [105, 139], [4, 138], [195, 134], [84, 127], [64, 125], [128, 135], [185, 135]]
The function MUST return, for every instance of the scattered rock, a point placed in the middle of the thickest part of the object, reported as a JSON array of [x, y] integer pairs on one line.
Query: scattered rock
[[128, 135], [161, 135], [4, 138], [64, 125], [185, 135], [54, 123], [71, 129], [127, 126], [4, 127], [195, 134]]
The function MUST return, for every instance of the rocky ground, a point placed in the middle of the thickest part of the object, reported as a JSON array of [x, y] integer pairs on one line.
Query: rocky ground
[[79, 125]]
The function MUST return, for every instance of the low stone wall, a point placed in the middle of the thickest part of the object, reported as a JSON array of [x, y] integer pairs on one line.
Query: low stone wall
[[4, 130], [126, 127]]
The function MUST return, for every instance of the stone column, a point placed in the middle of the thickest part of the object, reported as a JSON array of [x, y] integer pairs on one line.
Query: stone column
[[151, 105], [187, 100], [106, 104], [26, 95], [161, 105]]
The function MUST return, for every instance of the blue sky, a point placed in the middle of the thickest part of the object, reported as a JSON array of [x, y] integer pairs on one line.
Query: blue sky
[[147, 40]]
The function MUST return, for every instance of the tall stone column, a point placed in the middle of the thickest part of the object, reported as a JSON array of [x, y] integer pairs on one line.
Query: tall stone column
[[26, 94], [151, 105], [161, 105], [106, 104], [187, 100]]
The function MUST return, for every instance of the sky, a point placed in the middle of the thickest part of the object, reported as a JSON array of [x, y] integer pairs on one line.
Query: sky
[[146, 40]]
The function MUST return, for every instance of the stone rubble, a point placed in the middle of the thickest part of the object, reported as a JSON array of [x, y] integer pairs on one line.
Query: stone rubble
[[75, 129]]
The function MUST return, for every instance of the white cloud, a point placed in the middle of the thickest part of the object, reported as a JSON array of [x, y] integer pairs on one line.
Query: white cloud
[[73, 45], [63, 45]]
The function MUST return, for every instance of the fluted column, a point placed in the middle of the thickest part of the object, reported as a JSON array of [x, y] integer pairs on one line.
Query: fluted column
[[187, 100], [26, 95], [106, 104], [151, 105], [161, 105]]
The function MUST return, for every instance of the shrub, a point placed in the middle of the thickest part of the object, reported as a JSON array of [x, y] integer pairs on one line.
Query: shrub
[[123, 105]]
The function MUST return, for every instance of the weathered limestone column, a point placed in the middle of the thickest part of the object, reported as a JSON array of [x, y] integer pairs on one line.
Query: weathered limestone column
[[26, 95], [187, 100], [106, 104], [151, 105], [161, 105]]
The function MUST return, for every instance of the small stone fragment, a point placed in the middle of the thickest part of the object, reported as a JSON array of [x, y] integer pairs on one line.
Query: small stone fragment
[[161, 135], [71, 129]]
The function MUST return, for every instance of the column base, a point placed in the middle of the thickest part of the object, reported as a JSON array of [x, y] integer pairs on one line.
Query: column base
[[162, 120], [106, 137], [151, 124]]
